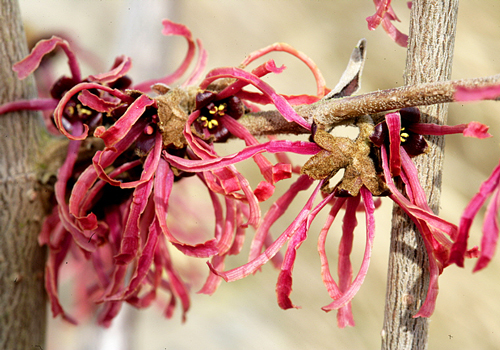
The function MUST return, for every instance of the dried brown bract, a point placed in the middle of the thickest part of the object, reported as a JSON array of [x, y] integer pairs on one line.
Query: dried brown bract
[[351, 155], [174, 108]]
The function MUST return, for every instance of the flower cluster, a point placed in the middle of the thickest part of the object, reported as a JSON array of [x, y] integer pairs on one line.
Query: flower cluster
[[135, 150]]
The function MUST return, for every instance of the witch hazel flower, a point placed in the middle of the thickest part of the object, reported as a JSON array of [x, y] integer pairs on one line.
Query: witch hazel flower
[[400, 137], [115, 221], [360, 178]]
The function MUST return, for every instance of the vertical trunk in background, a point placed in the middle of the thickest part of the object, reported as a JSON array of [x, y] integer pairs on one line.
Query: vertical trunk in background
[[429, 58], [22, 294]]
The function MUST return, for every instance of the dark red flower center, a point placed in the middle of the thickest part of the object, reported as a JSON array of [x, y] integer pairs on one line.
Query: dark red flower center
[[209, 120]]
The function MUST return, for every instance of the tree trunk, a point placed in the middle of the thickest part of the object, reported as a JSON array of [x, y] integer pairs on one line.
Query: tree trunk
[[429, 59], [22, 295]]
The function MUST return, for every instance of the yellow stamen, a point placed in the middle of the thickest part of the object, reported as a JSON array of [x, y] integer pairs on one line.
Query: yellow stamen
[[205, 121], [82, 110], [213, 123], [403, 136], [210, 124]]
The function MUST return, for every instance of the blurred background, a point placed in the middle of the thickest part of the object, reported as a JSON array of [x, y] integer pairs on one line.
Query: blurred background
[[244, 314]]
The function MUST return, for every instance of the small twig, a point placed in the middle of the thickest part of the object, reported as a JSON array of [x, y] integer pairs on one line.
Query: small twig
[[338, 111]]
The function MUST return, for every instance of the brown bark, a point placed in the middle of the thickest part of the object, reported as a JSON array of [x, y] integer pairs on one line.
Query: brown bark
[[429, 58], [22, 295]]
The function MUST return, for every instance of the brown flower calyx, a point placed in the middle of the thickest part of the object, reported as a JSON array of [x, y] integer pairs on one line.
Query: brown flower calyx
[[343, 153], [174, 107]]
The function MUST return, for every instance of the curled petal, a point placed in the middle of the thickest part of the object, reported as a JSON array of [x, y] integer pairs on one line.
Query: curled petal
[[274, 146], [122, 68], [96, 103], [320, 81], [279, 101], [171, 28], [130, 241], [164, 180], [272, 250], [490, 232], [275, 212], [459, 248], [370, 234], [58, 113], [125, 123], [31, 62]]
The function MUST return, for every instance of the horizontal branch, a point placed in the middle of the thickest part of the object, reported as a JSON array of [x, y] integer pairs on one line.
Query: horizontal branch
[[334, 112]]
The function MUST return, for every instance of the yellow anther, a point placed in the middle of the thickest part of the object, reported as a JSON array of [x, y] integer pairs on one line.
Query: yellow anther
[[82, 110], [205, 121], [403, 136], [213, 123], [210, 124]]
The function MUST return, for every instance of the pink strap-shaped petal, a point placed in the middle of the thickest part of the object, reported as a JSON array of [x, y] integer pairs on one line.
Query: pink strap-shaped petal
[[265, 166], [149, 167], [458, 251], [382, 7], [490, 232], [177, 286], [344, 314], [394, 125], [119, 71], [463, 93], [279, 101], [263, 191], [54, 262], [435, 269], [284, 284], [199, 67], [39, 104], [171, 28], [275, 212], [164, 180], [260, 71], [385, 15], [255, 264], [143, 264], [370, 234], [130, 243], [274, 146], [395, 34], [262, 99], [87, 243], [96, 103], [123, 125], [89, 176], [320, 81], [344, 268], [31, 62], [58, 113], [213, 280], [472, 129]]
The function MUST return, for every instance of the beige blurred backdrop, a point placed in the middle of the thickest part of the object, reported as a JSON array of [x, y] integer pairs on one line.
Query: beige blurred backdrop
[[244, 314]]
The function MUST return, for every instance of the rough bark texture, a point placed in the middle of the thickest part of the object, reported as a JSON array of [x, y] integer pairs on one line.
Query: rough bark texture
[[430, 52], [22, 295]]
